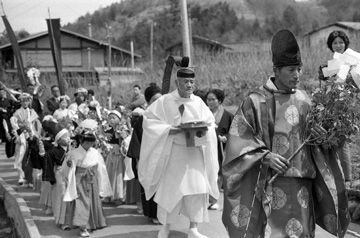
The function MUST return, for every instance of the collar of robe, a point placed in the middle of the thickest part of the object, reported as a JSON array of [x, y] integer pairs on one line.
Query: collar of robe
[[273, 91]]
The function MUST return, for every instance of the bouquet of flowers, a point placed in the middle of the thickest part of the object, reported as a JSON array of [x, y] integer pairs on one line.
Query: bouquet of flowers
[[93, 128], [336, 109], [33, 75], [344, 67]]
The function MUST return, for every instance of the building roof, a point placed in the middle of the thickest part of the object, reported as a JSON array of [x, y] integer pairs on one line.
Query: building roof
[[202, 39], [344, 24], [248, 47], [74, 34], [122, 70]]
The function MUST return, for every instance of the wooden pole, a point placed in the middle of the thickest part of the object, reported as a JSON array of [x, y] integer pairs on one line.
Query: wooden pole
[[109, 66], [152, 45], [55, 41], [2, 8], [89, 49], [185, 30], [132, 54]]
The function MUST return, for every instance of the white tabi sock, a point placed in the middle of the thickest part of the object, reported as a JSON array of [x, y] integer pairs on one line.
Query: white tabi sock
[[194, 233]]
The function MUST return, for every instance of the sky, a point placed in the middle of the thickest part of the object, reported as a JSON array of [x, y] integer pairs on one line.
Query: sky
[[31, 14]]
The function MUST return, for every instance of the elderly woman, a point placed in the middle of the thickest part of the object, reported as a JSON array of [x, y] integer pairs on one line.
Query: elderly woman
[[338, 42], [223, 119]]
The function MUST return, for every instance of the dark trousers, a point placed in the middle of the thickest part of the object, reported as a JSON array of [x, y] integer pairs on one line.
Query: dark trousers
[[10, 147]]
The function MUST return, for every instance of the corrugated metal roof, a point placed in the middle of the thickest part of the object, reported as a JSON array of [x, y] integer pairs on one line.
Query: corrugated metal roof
[[45, 33]]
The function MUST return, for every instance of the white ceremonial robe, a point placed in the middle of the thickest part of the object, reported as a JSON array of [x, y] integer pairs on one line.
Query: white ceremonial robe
[[167, 167], [85, 159], [23, 117]]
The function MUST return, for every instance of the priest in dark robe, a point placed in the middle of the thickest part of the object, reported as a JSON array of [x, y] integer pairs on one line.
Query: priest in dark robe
[[266, 129], [151, 93]]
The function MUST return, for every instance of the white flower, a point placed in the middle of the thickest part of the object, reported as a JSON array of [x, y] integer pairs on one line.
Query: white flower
[[89, 124], [33, 74]]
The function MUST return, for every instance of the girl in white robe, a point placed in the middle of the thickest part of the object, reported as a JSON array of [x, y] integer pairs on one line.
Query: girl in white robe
[[87, 181]]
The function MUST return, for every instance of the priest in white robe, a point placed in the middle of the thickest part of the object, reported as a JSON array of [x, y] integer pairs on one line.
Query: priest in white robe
[[181, 174]]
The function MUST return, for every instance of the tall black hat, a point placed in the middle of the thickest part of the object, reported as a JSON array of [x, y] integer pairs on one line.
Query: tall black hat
[[285, 49]]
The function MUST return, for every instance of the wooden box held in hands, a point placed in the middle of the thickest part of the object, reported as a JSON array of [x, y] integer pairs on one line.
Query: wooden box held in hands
[[192, 129]]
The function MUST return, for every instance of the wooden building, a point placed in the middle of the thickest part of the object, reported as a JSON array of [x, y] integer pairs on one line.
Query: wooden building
[[78, 52], [199, 44], [319, 36], [84, 64]]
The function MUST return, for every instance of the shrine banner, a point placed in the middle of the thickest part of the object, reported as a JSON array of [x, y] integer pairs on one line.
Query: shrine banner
[[55, 44], [16, 51]]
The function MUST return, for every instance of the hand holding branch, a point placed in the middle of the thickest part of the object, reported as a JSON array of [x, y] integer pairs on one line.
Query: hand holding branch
[[276, 162]]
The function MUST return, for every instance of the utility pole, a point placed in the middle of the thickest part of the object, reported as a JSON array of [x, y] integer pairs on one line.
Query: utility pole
[[109, 67], [89, 49], [185, 30], [132, 54], [152, 45]]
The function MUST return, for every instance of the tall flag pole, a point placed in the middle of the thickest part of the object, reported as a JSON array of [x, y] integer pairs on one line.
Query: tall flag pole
[[55, 44], [16, 50], [108, 27]]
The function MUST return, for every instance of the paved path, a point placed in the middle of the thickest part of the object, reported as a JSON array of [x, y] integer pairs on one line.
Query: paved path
[[123, 221]]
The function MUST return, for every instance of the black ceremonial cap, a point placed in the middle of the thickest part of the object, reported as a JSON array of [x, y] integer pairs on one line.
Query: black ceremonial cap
[[185, 73], [285, 49]]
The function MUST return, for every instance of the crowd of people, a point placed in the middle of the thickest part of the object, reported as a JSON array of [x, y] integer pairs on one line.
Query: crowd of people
[[173, 154]]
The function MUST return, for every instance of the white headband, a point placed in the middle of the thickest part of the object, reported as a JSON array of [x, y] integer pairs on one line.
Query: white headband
[[59, 135]]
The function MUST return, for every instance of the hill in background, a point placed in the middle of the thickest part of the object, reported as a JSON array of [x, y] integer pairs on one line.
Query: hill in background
[[227, 21]]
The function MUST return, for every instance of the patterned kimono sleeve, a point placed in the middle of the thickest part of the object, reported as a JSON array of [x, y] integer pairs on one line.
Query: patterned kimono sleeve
[[244, 174], [245, 146]]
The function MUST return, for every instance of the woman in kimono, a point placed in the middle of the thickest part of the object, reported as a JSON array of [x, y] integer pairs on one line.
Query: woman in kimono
[[63, 111], [115, 160], [132, 185], [223, 119], [338, 42], [22, 123], [46, 144], [87, 181]]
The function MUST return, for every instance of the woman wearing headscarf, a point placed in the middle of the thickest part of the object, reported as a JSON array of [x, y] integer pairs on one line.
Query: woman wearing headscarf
[[152, 93]]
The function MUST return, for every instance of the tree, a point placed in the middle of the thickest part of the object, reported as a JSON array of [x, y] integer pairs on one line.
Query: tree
[[4, 39], [356, 16], [290, 20]]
